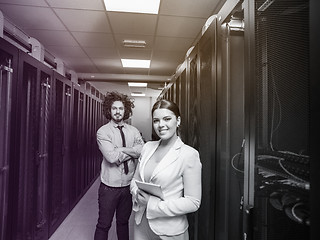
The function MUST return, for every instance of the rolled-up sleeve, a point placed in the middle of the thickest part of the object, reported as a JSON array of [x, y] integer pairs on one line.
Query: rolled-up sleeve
[[137, 144], [108, 149]]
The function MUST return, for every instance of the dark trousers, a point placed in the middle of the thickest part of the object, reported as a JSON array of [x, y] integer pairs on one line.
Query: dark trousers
[[113, 200]]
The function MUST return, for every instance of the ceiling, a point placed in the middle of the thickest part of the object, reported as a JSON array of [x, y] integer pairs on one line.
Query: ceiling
[[89, 40]]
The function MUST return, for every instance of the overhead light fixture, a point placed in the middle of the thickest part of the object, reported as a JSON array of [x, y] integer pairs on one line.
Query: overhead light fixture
[[138, 94], [134, 43], [135, 6], [135, 63], [137, 84]]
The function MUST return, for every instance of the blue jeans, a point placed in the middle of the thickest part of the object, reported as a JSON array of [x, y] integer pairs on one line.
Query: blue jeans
[[113, 200]]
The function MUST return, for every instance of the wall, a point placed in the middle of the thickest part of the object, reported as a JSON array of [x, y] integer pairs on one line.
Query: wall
[[141, 117]]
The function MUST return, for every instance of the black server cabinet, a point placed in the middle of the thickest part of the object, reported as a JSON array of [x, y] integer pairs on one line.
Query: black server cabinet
[[279, 155], [194, 90], [8, 76], [230, 127], [193, 105], [60, 143], [30, 216], [203, 97], [184, 111], [77, 148], [48, 152]]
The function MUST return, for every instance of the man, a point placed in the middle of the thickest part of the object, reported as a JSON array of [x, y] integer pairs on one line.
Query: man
[[120, 145]]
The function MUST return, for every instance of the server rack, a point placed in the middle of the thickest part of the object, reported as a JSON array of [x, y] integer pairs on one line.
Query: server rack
[[31, 143], [8, 62], [60, 161], [230, 126], [50, 153], [278, 118], [209, 89]]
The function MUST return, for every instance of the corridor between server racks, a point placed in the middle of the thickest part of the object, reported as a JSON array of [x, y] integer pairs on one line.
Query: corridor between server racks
[[80, 223]]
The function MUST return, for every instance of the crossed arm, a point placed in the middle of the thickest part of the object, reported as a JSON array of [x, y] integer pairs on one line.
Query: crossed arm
[[118, 155]]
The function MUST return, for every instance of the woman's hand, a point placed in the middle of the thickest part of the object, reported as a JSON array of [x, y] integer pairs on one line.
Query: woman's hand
[[142, 197]]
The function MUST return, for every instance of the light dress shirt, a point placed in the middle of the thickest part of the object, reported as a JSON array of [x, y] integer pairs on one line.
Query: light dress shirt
[[109, 139]]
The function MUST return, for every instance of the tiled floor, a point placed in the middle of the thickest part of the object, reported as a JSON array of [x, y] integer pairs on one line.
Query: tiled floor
[[80, 223]]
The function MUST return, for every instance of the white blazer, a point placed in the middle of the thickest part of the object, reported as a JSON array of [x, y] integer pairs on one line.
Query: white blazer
[[179, 174]]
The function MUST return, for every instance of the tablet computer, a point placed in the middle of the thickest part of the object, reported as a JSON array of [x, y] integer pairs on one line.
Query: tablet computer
[[150, 188]]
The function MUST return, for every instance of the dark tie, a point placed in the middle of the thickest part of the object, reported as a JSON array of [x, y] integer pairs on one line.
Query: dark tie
[[126, 169]]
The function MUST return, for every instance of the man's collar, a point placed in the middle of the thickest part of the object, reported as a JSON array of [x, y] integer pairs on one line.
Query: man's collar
[[115, 124]]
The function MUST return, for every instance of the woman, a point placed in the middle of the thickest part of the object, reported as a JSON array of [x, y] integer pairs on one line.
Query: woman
[[174, 166]]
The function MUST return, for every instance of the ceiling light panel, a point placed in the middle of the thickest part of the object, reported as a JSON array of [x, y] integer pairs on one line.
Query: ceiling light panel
[[135, 63], [137, 84], [138, 94], [135, 6], [134, 43]]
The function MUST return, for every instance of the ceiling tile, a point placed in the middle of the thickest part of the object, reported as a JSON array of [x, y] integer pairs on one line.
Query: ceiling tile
[[108, 65], [138, 71], [132, 53], [77, 4], [79, 32], [170, 26], [165, 63], [84, 20], [34, 17], [131, 23], [39, 3], [79, 64], [53, 38], [95, 52], [188, 8], [112, 86], [94, 39], [67, 52]]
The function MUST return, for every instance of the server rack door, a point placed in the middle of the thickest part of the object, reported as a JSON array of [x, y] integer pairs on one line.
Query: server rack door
[[193, 105], [230, 130], [56, 208], [76, 150], [75, 163], [177, 91], [67, 138], [87, 141], [282, 115], [43, 155], [207, 129], [92, 139], [184, 111], [193, 98], [82, 131], [173, 93], [34, 98], [95, 150], [59, 166], [6, 111]]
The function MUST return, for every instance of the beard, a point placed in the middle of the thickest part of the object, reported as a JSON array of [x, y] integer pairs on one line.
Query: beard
[[117, 117]]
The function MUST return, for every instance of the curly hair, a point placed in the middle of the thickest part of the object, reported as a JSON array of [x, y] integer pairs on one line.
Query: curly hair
[[110, 98]]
